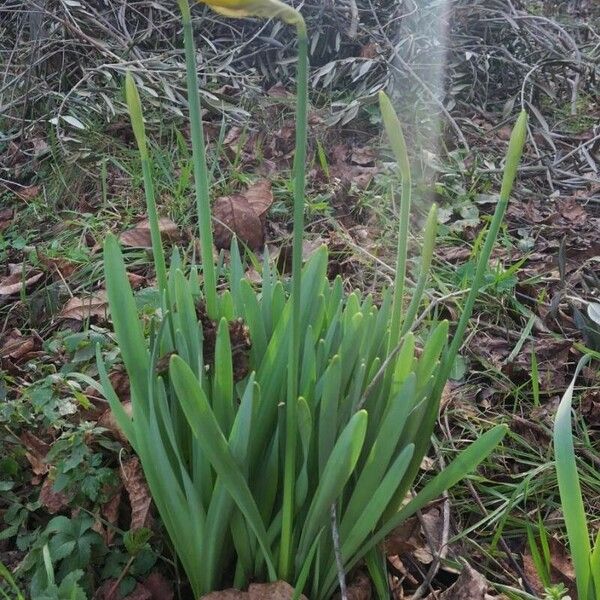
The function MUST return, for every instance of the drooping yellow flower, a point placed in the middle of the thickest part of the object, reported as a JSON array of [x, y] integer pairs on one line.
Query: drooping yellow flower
[[266, 9]]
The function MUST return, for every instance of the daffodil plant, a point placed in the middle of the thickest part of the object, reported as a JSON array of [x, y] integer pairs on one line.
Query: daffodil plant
[[335, 408]]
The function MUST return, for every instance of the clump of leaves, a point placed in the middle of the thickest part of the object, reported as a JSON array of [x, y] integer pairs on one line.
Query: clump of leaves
[[335, 413]]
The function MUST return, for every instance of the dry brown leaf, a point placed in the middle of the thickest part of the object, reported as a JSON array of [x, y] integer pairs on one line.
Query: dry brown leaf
[[139, 236], [52, 500], [108, 421], [561, 569], [159, 587], [470, 585], [279, 590], [137, 490], [36, 451], [27, 192], [136, 281], [360, 587], [61, 266], [234, 215], [6, 218], [363, 156], [110, 512], [16, 280], [259, 196], [80, 309], [409, 539], [16, 346]]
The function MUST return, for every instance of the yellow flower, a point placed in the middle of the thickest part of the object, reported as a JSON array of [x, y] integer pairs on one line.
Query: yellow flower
[[266, 9]]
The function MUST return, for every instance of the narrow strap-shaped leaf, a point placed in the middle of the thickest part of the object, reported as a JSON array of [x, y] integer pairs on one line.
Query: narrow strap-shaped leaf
[[122, 418], [305, 427], [458, 469], [236, 275], [206, 429], [570, 488], [426, 258], [186, 311], [431, 353], [328, 411], [373, 509], [253, 317], [396, 137], [222, 398], [124, 317], [336, 473], [375, 467], [305, 570], [219, 516], [308, 373]]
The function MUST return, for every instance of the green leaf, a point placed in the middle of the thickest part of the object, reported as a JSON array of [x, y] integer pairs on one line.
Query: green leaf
[[124, 317], [222, 400], [458, 469], [205, 427], [134, 106], [336, 473], [328, 411], [570, 488]]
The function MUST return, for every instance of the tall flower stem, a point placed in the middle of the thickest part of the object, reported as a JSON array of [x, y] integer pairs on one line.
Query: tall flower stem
[[137, 122], [398, 143], [200, 168], [291, 425]]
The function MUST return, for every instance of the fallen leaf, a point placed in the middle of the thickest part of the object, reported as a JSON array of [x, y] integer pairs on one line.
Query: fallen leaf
[[359, 588], [409, 539], [139, 236], [108, 421], [363, 156], [16, 346], [136, 281], [27, 192], [137, 490], [370, 50], [470, 585], [259, 196], [110, 512], [234, 215], [278, 590], [572, 210], [561, 568], [52, 500], [61, 266], [159, 587], [6, 218], [36, 451], [17, 280], [590, 407], [95, 305]]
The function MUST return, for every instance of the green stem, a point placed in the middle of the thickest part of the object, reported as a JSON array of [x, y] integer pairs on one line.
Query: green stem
[[513, 157], [200, 168], [157, 247], [426, 258], [285, 556], [515, 150], [400, 261], [398, 143]]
